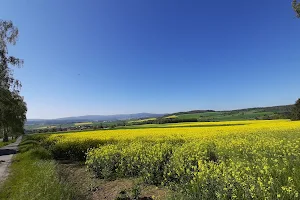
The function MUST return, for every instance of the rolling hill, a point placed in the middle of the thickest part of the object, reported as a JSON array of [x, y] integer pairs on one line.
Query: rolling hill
[[92, 118]]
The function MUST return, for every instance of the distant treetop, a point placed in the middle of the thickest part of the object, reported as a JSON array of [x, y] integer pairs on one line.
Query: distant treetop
[[296, 7], [296, 110]]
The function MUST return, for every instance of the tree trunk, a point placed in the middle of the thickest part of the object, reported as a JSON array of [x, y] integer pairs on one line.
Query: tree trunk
[[5, 136]]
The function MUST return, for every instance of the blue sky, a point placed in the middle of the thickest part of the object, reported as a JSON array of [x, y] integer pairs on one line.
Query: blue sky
[[112, 57]]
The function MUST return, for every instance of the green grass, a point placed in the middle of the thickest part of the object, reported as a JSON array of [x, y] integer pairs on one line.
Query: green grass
[[44, 127], [232, 116], [35, 126], [2, 144], [227, 115], [198, 115], [33, 176]]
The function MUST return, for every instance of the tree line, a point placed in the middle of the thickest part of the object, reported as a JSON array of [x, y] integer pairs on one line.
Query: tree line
[[12, 106], [296, 111], [165, 121]]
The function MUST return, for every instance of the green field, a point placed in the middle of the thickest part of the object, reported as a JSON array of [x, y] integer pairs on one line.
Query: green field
[[83, 123], [231, 115], [199, 115]]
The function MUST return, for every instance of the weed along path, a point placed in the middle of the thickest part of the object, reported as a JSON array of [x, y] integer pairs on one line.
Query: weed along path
[[6, 154]]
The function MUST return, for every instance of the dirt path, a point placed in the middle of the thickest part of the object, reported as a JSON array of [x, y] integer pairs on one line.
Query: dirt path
[[6, 154]]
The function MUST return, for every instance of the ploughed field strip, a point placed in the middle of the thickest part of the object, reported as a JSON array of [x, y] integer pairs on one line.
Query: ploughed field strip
[[242, 159]]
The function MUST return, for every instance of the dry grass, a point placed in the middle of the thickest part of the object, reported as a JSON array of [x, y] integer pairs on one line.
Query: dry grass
[[93, 188]]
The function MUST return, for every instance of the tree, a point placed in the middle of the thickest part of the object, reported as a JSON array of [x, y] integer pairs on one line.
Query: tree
[[296, 110], [12, 113], [296, 7], [12, 106]]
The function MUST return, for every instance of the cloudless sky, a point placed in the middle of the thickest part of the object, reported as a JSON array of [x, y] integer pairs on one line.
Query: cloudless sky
[[158, 56]]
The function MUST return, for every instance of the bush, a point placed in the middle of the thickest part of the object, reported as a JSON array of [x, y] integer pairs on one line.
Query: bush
[[72, 150], [40, 153]]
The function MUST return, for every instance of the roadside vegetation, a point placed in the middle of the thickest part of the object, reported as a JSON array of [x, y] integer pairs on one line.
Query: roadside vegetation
[[6, 143], [33, 175]]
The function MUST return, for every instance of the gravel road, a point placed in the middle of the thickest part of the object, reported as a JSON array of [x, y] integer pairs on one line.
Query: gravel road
[[6, 154]]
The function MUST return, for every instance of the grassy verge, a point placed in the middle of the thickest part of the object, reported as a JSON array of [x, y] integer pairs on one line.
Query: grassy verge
[[2, 144], [33, 176]]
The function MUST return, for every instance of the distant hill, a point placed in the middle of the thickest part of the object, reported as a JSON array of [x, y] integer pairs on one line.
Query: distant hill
[[191, 112], [279, 109], [273, 112], [92, 118], [264, 113]]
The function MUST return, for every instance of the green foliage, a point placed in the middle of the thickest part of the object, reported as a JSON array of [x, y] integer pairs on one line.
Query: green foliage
[[33, 176], [6, 143], [73, 150], [12, 106], [40, 153], [165, 121], [192, 112], [266, 113], [296, 7], [296, 110], [136, 192], [12, 113]]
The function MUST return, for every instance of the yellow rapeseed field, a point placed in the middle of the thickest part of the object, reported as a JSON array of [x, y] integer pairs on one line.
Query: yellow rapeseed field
[[212, 160], [186, 131]]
